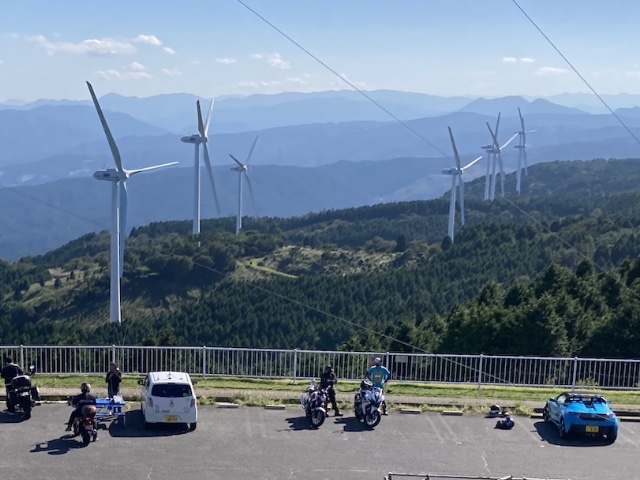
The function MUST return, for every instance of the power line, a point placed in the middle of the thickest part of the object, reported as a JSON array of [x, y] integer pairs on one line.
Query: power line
[[345, 80], [584, 80]]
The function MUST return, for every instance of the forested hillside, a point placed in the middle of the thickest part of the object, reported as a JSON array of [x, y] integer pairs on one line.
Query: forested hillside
[[551, 273]]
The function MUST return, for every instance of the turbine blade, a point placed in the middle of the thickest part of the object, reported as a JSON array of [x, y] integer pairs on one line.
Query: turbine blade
[[455, 150], [472, 163], [461, 186], [124, 200], [207, 164], [253, 198], [206, 123], [521, 119], [112, 144], [497, 123], [251, 151], [237, 161], [509, 141], [493, 136], [133, 172], [200, 125]]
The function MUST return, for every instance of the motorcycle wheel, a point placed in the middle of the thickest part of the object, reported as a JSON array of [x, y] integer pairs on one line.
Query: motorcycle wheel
[[372, 419], [86, 438], [26, 408], [317, 418]]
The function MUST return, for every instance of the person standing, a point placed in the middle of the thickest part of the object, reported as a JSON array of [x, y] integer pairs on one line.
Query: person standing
[[113, 379], [379, 376], [327, 380], [10, 371]]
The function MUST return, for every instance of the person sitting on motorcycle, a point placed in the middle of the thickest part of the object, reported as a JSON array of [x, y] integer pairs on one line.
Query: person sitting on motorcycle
[[79, 401], [10, 371], [327, 380], [379, 376]]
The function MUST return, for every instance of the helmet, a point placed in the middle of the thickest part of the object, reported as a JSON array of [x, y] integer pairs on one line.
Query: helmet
[[329, 367], [85, 387], [494, 409], [377, 360]]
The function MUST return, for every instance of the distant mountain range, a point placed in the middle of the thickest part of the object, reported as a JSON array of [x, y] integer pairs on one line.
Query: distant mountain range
[[316, 151]]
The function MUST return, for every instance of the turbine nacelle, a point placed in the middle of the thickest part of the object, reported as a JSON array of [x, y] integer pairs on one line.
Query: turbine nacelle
[[110, 175], [196, 139], [451, 171], [240, 168]]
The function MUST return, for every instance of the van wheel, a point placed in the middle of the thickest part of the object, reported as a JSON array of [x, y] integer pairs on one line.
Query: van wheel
[[192, 426], [146, 424]]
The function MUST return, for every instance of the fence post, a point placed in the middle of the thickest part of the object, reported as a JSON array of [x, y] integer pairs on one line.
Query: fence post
[[204, 360], [480, 371], [113, 354], [295, 365], [21, 354], [575, 373]]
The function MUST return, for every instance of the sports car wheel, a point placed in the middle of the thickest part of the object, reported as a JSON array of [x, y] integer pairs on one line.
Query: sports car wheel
[[545, 415], [562, 431]]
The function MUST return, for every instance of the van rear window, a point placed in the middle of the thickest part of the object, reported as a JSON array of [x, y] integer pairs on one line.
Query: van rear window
[[171, 390]]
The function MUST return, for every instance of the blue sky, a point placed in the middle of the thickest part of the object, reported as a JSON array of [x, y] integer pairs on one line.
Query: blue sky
[[218, 47]]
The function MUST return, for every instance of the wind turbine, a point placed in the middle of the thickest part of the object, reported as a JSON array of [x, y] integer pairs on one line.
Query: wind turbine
[[118, 177], [497, 156], [490, 161], [242, 168], [456, 178], [522, 150], [201, 138]]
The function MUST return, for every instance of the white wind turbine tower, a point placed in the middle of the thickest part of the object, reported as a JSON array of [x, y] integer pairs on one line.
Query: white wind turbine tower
[[522, 150], [456, 180], [118, 177], [201, 138], [490, 177], [242, 168], [497, 156]]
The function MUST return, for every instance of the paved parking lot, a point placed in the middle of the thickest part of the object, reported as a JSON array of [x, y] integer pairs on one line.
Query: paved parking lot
[[254, 443]]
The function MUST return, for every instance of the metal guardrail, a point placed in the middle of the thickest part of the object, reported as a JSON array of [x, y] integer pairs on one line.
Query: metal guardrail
[[297, 364]]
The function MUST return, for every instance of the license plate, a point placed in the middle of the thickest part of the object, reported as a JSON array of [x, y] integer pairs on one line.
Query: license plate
[[170, 418], [88, 426], [591, 429]]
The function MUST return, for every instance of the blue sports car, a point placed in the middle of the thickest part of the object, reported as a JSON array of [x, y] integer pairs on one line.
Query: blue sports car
[[582, 412]]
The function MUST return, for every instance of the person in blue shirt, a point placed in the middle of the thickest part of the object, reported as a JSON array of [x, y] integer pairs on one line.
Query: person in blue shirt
[[379, 376]]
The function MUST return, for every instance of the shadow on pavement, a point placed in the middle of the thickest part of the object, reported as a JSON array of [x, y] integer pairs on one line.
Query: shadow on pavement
[[58, 446], [352, 424], [549, 433], [299, 423], [6, 417], [135, 427]]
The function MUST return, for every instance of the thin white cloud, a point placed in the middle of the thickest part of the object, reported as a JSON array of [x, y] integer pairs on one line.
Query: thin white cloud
[[135, 71], [226, 61], [256, 56], [1, 62], [296, 80], [248, 84], [149, 39], [509, 59], [93, 46], [527, 60], [550, 71], [169, 50], [172, 72], [276, 61]]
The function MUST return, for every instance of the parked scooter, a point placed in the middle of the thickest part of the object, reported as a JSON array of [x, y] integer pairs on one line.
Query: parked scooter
[[314, 403], [22, 395], [367, 403]]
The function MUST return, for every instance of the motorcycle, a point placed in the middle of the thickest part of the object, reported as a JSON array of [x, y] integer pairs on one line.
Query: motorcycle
[[314, 403], [22, 395], [86, 425], [367, 403]]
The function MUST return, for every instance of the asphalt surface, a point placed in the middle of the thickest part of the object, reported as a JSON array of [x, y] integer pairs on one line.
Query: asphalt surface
[[255, 443]]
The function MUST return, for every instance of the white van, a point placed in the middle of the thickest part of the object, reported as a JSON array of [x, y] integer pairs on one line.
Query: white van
[[168, 397]]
